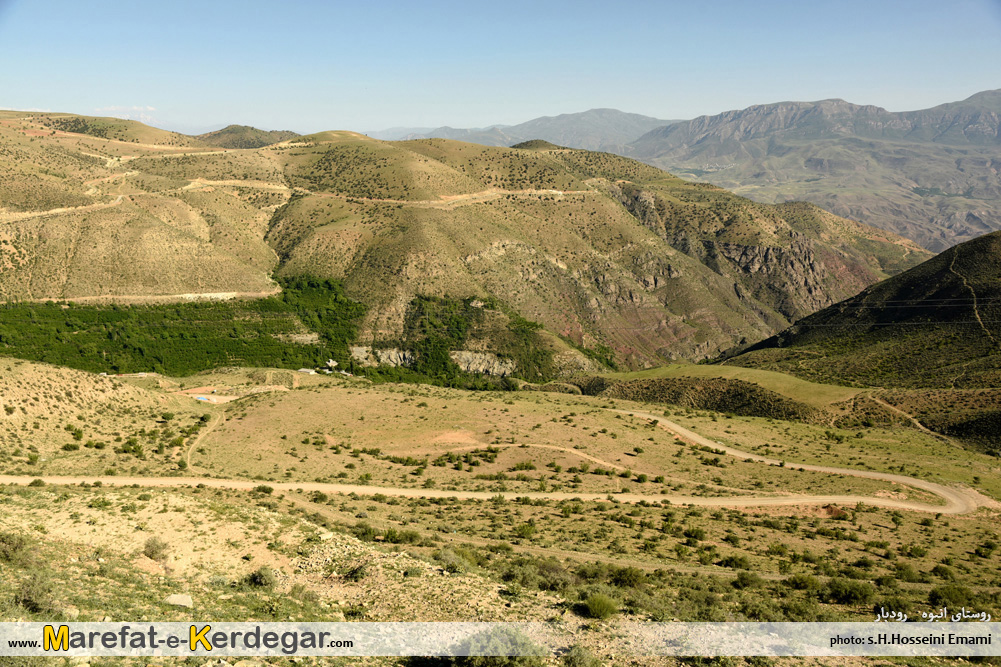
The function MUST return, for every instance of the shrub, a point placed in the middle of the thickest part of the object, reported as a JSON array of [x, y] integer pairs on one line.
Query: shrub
[[356, 572], [736, 562], [628, 577], [849, 591], [498, 648], [950, 595], [302, 594], [263, 488], [906, 572], [695, 533], [578, 656], [943, 571], [803, 582], [156, 549], [525, 530], [747, 579], [14, 549], [34, 594], [451, 561], [600, 606], [262, 577]]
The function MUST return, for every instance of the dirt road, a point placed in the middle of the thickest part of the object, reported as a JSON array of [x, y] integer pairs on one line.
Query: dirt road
[[911, 418], [957, 500]]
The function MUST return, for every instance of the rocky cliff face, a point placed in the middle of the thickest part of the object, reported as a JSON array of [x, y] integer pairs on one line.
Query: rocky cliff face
[[483, 363], [786, 272]]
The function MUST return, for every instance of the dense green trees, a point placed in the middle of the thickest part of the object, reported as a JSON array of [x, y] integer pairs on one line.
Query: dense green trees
[[180, 339]]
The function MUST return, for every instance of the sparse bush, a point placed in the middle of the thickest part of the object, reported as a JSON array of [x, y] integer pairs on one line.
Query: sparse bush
[[950, 595], [736, 562], [525, 530], [14, 549], [600, 606], [578, 656], [628, 577], [803, 582], [262, 577], [747, 579], [451, 561], [500, 648], [156, 549], [356, 572], [34, 594], [303, 594], [944, 572]]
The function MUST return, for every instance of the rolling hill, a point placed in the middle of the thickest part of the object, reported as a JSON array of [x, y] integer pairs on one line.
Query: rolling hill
[[244, 136], [930, 175], [610, 254]]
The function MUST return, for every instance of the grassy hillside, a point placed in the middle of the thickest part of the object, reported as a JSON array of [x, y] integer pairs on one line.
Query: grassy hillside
[[114, 129], [604, 251], [936, 325], [551, 233]]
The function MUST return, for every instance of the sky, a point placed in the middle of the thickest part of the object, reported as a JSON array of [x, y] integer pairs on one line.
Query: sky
[[368, 65]]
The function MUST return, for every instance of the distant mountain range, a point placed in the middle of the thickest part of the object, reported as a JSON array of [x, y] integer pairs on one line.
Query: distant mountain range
[[598, 130], [932, 175]]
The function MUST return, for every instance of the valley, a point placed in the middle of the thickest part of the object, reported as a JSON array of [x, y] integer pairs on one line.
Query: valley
[[326, 377]]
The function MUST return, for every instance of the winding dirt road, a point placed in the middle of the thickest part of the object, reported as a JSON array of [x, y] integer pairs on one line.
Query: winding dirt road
[[957, 500]]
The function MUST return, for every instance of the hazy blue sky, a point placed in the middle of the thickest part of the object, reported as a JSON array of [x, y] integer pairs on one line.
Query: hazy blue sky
[[310, 66]]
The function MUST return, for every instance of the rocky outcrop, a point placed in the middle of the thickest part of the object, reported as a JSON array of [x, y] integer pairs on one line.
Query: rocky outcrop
[[392, 356], [785, 275], [484, 363]]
